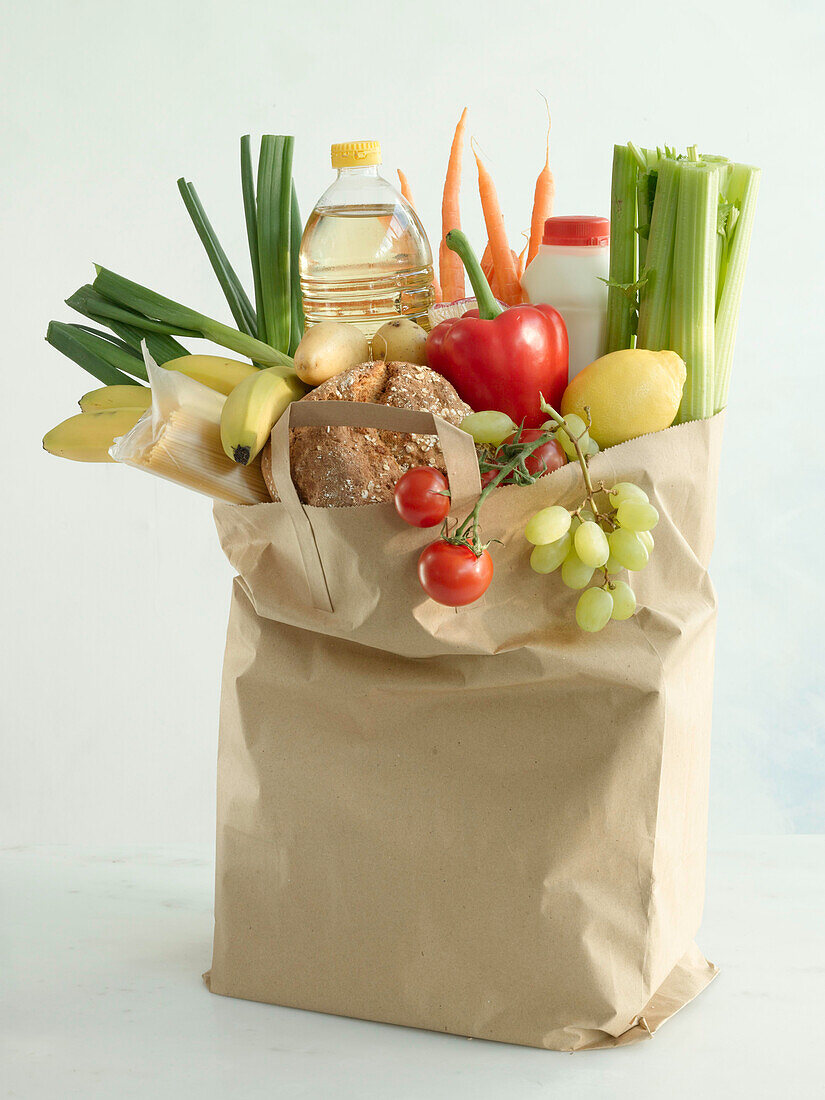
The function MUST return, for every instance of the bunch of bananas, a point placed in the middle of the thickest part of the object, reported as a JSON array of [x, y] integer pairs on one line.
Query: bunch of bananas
[[255, 400]]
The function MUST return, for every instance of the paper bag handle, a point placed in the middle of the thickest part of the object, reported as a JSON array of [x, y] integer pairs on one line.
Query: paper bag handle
[[457, 447]]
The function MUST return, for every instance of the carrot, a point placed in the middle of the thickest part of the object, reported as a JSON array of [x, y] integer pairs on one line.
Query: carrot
[[522, 260], [542, 199], [407, 193], [450, 266], [487, 263], [405, 187], [503, 262]]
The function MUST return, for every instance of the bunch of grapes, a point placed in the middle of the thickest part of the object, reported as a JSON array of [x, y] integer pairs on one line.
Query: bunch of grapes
[[608, 532]]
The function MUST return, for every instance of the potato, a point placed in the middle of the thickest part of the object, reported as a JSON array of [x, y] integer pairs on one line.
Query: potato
[[329, 348], [401, 341]]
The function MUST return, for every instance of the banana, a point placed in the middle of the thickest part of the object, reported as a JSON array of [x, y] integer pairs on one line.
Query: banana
[[116, 397], [213, 371], [88, 436], [251, 410]]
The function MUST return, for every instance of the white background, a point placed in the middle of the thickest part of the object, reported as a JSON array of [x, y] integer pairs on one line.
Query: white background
[[115, 592]]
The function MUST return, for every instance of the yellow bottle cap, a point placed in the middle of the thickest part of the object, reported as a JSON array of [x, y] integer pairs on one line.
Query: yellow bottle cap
[[355, 154]]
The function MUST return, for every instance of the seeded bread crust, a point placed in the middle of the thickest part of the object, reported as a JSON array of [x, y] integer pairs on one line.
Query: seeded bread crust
[[345, 467]]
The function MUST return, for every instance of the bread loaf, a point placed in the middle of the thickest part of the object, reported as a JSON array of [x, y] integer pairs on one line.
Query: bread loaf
[[342, 467]]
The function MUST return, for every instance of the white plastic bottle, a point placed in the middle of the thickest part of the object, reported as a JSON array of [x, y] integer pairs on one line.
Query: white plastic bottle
[[365, 257], [566, 273]]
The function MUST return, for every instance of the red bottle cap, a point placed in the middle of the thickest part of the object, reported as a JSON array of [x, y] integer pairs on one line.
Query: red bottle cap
[[576, 230]]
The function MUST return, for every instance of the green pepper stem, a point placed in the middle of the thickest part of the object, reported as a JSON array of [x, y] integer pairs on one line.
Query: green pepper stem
[[488, 307]]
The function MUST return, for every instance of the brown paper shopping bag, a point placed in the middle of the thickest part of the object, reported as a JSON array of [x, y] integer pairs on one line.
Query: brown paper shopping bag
[[482, 821]]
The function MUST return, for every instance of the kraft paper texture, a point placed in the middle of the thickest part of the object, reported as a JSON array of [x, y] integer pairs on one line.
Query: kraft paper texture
[[483, 822]]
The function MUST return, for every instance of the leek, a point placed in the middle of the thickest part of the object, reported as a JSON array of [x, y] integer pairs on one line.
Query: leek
[[743, 186], [693, 303], [230, 284], [298, 321], [274, 219], [621, 304], [164, 315], [251, 217], [95, 353], [123, 323], [655, 294]]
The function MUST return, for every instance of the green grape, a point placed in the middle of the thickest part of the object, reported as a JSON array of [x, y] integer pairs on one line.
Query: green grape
[[490, 428], [591, 544], [612, 565], [646, 539], [574, 573], [548, 525], [549, 556], [577, 429], [626, 548], [624, 600], [594, 609], [626, 490], [576, 522], [636, 515], [592, 447]]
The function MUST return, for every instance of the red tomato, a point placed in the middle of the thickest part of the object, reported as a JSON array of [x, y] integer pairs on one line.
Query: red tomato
[[544, 459], [419, 497], [453, 575]]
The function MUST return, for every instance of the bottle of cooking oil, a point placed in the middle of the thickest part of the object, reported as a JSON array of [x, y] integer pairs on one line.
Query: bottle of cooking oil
[[365, 257]]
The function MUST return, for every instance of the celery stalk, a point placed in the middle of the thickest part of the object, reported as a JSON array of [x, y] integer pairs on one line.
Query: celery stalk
[[655, 293], [743, 186], [648, 162], [621, 305], [692, 319], [172, 318], [230, 284]]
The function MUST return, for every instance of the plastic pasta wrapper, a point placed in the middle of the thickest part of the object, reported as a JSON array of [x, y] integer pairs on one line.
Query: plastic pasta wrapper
[[179, 439]]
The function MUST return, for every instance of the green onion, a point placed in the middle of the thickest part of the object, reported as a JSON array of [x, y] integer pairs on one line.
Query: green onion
[[621, 305], [230, 284], [655, 294], [251, 216], [692, 318], [95, 353], [274, 201], [87, 302], [742, 188], [172, 318], [298, 320]]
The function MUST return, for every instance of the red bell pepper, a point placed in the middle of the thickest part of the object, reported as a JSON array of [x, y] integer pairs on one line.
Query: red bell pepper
[[498, 358]]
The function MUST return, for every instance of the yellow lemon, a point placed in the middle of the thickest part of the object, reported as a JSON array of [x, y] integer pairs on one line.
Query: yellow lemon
[[628, 393]]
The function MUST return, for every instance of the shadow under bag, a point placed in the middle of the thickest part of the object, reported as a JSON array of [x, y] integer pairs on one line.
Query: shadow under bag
[[482, 821]]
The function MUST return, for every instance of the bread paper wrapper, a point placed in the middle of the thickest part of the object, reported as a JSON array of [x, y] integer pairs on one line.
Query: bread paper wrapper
[[482, 821]]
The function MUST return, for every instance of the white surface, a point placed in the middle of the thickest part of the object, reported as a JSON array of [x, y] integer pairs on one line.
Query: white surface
[[102, 997], [115, 594]]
